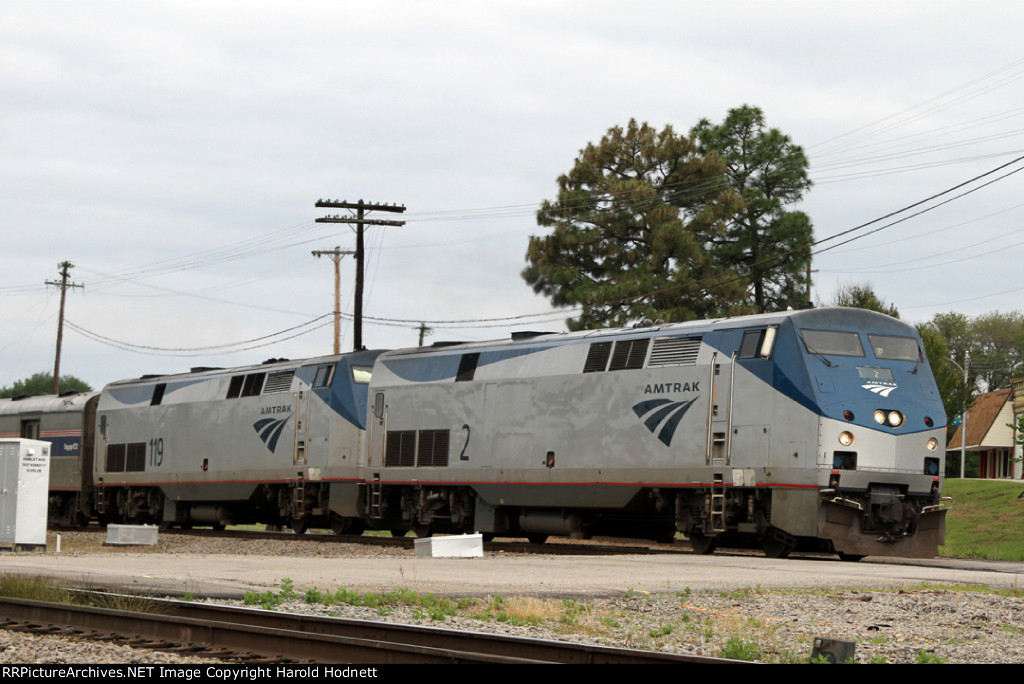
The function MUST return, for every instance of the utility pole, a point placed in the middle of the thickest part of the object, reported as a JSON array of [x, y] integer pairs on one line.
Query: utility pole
[[335, 254], [963, 423], [359, 221], [809, 272], [64, 266], [424, 331]]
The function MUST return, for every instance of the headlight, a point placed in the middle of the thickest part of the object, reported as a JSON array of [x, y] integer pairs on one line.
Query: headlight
[[933, 444], [879, 416], [895, 418], [846, 438]]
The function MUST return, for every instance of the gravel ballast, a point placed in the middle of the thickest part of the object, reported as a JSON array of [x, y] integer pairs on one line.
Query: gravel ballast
[[903, 625]]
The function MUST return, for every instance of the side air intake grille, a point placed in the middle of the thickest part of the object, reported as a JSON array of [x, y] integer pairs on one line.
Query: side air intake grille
[[597, 357], [629, 354], [467, 367], [401, 448], [280, 381], [674, 351]]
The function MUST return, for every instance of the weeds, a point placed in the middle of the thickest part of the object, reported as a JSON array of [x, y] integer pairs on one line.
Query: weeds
[[728, 630], [926, 658], [53, 591], [739, 649], [35, 588]]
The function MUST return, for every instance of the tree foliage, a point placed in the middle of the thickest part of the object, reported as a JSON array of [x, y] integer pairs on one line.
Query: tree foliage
[[631, 222], [765, 242], [957, 396], [994, 342], [42, 383], [862, 296]]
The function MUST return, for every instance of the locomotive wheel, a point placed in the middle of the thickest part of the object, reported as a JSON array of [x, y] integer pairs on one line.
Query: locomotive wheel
[[777, 544], [422, 531], [346, 526], [851, 557], [702, 544], [299, 525], [488, 537], [398, 533], [536, 538]]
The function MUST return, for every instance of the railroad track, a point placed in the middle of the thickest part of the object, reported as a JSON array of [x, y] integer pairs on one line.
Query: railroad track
[[244, 635], [554, 546]]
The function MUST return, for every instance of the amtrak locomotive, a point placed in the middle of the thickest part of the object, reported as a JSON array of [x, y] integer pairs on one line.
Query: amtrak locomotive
[[818, 429]]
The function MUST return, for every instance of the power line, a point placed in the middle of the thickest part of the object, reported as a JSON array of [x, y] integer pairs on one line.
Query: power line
[[217, 348]]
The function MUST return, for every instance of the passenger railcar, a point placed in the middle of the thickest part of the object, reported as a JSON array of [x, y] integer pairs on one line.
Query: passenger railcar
[[271, 443], [819, 428], [67, 422]]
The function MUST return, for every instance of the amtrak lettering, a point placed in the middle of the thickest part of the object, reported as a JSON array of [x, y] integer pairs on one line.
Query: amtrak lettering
[[672, 387], [275, 409]]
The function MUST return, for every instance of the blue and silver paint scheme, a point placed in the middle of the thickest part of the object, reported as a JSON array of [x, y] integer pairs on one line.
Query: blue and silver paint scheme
[[232, 445], [673, 421]]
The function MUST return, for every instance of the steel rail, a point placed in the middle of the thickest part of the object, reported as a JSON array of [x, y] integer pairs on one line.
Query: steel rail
[[326, 640]]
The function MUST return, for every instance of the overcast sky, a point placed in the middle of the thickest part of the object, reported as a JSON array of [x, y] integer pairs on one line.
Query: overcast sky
[[173, 151]]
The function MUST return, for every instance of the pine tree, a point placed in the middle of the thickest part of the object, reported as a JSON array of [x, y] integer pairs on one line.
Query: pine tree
[[631, 222], [767, 243]]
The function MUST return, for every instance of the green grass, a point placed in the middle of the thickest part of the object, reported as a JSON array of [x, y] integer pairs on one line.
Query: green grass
[[57, 591], [35, 589], [986, 519]]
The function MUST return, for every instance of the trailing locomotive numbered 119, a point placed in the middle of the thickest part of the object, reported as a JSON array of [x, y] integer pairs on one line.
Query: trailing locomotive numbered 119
[[262, 444], [815, 429]]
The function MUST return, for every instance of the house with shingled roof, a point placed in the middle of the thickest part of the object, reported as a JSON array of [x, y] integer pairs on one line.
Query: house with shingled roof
[[990, 435]]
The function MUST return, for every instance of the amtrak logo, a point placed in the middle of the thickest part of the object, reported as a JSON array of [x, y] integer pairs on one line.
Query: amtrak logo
[[883, 390], [664, 414], [269, 430]]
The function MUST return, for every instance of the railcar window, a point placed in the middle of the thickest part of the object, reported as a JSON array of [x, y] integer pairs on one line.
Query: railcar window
[[158, 394], [895, 347], [361, 374], [324, 375], [751, 342], [833, 342]]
